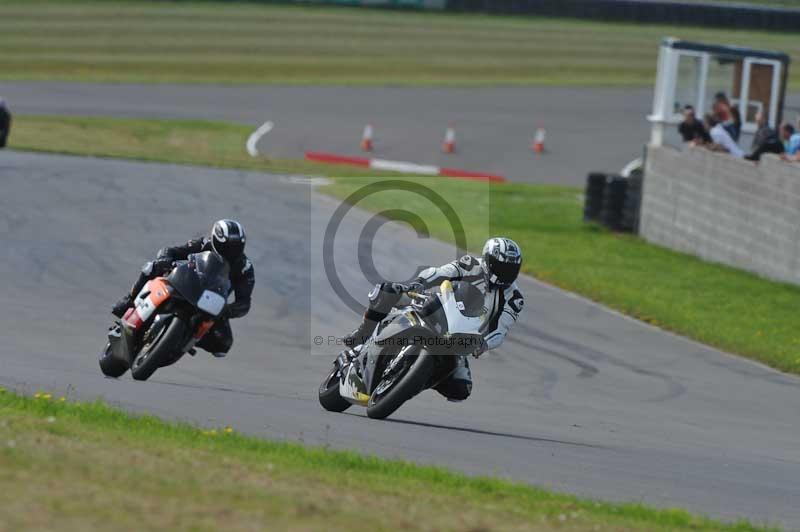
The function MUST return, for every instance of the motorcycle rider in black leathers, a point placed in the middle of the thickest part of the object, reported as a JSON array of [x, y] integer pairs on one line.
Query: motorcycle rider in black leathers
[[227, 238], [494, 274]]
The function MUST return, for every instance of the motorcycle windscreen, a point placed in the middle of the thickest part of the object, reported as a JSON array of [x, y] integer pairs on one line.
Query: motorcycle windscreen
[[461, 334], [184, 279], [203, 280], [213, 270], [457, 321]]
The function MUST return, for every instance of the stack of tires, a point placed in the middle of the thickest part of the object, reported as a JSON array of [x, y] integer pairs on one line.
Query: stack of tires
[[613, 200], [5, 123], [595, 185], [633, 202]]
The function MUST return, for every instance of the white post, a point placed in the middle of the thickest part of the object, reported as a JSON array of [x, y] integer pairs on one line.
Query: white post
[[664, 94]]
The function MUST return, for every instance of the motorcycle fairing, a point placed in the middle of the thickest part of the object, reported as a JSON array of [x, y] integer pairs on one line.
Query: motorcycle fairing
[[151, 296], [404, 325], [352, 388]]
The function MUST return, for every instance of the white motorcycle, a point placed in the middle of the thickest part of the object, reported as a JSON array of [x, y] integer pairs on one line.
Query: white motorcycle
[[414, 348]]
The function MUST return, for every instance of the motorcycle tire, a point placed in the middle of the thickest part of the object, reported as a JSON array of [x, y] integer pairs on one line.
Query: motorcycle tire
[[110, 366], [162, 348], [329, 396], [410, 384]]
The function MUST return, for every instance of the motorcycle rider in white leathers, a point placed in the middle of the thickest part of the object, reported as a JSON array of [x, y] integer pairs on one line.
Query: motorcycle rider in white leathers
[[494, 273]]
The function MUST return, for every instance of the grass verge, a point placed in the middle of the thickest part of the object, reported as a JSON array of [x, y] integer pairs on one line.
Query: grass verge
[[147, 474], [240, 42], [206, 143], [721, 306]]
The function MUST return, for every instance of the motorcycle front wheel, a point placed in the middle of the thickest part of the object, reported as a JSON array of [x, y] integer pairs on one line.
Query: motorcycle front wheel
[[396, 389], [111, 366], [329, 396], [167, 341]]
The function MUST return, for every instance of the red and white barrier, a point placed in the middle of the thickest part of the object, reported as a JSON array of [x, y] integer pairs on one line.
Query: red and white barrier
[[400, 166]]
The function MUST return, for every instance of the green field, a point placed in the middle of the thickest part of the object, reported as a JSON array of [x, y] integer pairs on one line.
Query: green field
[[248, 43], [721, 306], [83, 467]]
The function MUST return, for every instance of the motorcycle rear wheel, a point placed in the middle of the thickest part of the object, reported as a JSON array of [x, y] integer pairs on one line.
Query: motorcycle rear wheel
[[111, 366], [164, 346], [329, 396], [409, 385]]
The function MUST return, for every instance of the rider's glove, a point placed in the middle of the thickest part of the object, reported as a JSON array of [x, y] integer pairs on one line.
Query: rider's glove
[[162, 265], [413, 286]]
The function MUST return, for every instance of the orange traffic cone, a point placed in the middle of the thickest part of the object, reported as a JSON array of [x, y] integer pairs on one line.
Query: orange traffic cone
[[449, 143], [538, 141], [366, 138]]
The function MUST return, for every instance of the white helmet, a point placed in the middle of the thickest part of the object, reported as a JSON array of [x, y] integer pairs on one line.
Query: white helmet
[[502, 259]]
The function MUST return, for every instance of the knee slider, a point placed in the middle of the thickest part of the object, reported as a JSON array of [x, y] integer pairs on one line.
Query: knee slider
[[461, 390], [456, 390], [225, 341]]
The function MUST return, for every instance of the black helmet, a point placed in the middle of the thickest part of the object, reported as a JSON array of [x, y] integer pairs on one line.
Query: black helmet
[[502, 259], [227, 239]]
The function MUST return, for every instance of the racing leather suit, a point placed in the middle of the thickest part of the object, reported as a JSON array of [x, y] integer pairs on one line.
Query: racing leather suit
[[502, 309], [220, 338]]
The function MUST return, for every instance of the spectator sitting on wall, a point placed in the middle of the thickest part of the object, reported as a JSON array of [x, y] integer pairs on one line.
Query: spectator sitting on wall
[[791, 143], [691, 129], [5, 123], [766, 139], [728, 115], [721, 139]]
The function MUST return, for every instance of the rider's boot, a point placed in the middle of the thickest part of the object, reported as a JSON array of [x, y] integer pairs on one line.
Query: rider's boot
[[122, 306], [362, 333], [381, 301], [126, 302]]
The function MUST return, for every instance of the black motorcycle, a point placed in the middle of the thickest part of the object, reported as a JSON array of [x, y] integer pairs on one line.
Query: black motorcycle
[[413, 349], [170, 315]]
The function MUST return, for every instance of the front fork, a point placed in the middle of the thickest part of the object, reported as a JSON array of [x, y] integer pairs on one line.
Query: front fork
[[351, 383], [202, 328]]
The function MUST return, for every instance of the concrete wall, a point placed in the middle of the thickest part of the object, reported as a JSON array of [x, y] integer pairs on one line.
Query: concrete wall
[[725, 209]]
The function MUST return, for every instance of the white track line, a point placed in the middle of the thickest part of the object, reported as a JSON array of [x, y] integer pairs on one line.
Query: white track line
[[398, 166], [256, 135]]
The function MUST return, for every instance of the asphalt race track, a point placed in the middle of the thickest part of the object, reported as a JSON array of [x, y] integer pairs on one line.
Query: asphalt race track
[[578, 399]]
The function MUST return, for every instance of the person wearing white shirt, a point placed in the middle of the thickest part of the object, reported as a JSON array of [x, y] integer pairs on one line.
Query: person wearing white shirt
[[721, 137]]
